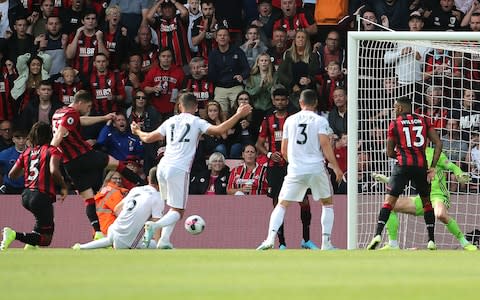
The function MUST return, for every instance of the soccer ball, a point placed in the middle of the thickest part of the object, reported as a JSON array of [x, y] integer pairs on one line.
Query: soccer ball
[[194, 224]]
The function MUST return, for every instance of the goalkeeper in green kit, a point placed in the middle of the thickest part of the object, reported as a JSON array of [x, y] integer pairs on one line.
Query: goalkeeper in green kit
[[439, 196]]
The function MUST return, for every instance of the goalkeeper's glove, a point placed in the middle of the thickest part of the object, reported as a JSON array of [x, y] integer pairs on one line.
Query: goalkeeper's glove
[[380, 177], [464, 178]]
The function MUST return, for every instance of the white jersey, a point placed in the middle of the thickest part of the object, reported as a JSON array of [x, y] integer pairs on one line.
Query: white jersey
[[140, 204], [304, 153], [182, 133]]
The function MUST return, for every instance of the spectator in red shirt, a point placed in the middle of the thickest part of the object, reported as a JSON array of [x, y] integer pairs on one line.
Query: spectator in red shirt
[[162, 84]]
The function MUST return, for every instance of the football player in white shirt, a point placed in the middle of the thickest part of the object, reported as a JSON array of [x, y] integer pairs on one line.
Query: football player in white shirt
[[305, 143], [181, 133], [141, 204]]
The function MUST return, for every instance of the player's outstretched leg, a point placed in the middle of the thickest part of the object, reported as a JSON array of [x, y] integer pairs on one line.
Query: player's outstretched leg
[[454, 229], [276, 219]]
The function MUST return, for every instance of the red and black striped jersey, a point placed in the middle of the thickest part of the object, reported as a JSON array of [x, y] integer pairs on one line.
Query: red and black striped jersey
[[149, 56], [103, 87], [65, 92], [296, 22], [409, 133], [73, 145], [6, 102], [272, 130], [36, 165], [208, 43], [257, 177], [87, 48], [203, 89], [173, 34]]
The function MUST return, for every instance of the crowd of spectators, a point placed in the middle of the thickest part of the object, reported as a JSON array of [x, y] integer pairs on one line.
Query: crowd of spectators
[[135, 57]]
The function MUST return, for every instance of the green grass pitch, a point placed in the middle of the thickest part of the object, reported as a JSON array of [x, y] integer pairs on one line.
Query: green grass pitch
[[238, 274]]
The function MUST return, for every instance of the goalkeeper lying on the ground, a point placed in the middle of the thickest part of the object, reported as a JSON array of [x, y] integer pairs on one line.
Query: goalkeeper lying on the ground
[[439, 196]]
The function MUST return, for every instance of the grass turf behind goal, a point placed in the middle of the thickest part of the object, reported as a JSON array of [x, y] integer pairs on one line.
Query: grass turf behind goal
[[238, 274]]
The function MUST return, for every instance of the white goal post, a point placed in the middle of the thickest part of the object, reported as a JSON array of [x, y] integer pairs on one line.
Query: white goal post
[[371, 67]]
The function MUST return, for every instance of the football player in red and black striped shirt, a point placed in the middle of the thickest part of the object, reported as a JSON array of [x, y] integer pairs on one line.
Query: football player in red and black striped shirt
[[83, 164], [41, 165], [271, 130], [406, 142]]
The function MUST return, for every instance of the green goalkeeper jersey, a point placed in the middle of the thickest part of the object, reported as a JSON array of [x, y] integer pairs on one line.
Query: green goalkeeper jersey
[[439, 182]]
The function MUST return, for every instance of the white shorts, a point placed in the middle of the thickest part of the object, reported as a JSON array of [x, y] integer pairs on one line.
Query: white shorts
[[173, 184], [294, 187], [130, 241]]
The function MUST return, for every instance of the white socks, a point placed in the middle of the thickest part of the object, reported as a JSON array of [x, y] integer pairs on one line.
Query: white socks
[[327, 223], [171, 217], [276, 220], [166, 233]]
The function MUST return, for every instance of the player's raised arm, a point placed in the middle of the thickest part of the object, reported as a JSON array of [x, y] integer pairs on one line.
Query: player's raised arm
[[242, 111], [91, 120], [146, 137]]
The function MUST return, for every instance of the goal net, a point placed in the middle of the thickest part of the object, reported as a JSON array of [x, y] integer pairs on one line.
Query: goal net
[[440, 72]]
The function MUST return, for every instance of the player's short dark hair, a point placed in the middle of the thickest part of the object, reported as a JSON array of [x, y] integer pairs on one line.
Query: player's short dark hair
[[188, 100], [40, 134], [152, 176], [82, 96], [309, 97], [405, 102]]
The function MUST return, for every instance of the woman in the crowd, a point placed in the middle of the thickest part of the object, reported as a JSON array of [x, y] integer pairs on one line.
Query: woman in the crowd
[[299, 67], [246, 131], [211, 181], [147, 117], [211, 143], [31, 70], [250, 178], [259, 84]]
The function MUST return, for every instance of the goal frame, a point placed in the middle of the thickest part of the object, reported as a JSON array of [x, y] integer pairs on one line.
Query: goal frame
[[353, 39]]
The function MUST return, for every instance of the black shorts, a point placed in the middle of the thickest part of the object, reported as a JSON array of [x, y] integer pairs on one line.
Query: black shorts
[[401, 175], [275, 176], [41, 206], [87, 170]]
